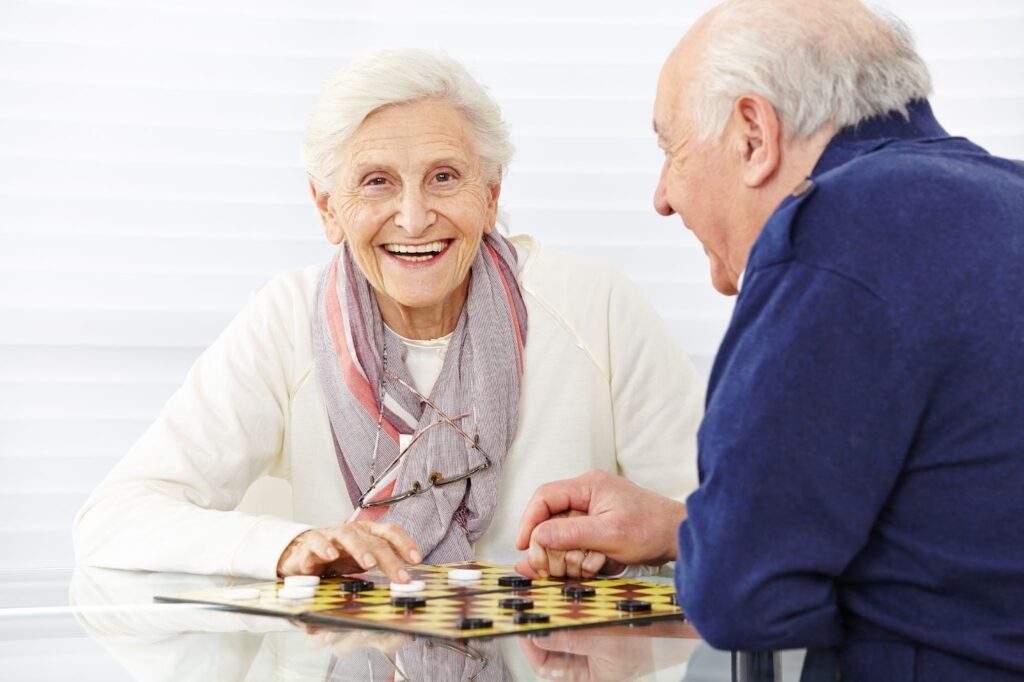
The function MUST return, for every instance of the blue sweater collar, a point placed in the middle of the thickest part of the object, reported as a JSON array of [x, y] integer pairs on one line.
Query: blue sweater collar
[[879, 131]]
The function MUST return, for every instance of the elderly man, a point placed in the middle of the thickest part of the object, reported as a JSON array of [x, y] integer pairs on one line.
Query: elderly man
[[862, 454]]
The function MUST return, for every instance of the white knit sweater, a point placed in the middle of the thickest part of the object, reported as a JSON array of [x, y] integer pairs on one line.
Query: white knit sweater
[[605, 386]]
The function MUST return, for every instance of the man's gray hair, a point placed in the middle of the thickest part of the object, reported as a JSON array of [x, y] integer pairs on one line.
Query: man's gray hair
[[388, 77], [817, 62]]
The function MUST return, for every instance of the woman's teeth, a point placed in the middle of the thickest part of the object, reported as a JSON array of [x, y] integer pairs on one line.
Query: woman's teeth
[[416, 252]]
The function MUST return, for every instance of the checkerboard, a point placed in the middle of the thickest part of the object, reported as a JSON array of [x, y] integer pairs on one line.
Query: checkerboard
[[463, 610]]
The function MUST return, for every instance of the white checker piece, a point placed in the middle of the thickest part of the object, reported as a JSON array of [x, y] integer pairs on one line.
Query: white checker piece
[[302, 581], [296, 592], [411, 586], [241, 593]]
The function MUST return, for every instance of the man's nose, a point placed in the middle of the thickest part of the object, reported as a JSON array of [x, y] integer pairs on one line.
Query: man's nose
[[414, 215], [661, 204]]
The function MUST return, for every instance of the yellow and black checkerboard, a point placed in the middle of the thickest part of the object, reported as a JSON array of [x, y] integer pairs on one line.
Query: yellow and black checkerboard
[[482, 608]]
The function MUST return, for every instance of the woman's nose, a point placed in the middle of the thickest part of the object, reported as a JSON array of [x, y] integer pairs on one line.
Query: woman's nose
[[414, 215]]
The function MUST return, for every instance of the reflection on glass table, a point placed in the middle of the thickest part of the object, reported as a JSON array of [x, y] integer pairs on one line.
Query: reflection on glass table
[[109, 628]]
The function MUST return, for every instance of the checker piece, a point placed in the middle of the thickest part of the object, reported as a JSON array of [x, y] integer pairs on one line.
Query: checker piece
[[475, 623], [578, 591], [411, 586], [633, 605], [408, 602], [302, 581], [527, 617], [516, 603], [355, 585], [516, 581]]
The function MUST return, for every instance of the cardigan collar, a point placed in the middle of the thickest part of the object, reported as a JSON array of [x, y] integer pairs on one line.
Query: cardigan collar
[[878, 131]]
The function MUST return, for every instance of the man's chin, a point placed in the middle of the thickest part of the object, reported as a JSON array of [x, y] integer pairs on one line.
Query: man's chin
[[722, 283]]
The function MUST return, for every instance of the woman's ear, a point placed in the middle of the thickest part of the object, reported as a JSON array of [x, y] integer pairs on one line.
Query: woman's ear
[[758, 130], [328, 218], [493, 193]]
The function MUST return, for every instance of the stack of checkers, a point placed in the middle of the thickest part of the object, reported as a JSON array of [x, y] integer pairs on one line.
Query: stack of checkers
[[462, 600]]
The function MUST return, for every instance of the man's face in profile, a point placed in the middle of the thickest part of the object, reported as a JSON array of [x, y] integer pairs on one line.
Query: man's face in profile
[[696, 181]]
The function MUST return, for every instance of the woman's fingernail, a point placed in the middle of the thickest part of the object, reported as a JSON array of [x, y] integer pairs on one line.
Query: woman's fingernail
[[369, 561], [415, 556], [403, 574]]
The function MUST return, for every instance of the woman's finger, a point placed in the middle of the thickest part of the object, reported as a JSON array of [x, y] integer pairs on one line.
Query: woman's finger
[[353, 542], [399, 539], [385, 557], [321, 545]]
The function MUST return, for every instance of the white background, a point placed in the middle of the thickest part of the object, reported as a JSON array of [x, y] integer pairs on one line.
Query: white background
[[150, 179]]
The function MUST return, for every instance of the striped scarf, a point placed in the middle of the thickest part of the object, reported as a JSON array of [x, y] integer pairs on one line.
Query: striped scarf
[[480, 379]]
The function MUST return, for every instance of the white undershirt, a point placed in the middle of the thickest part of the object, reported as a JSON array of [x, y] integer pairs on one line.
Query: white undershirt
[[425, 358]]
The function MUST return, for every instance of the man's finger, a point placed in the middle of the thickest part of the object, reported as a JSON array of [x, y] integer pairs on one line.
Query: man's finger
[[574, 563], [556, 563], [573, 532], [592, 564], [524, 568], [538, 558], [554, 498]]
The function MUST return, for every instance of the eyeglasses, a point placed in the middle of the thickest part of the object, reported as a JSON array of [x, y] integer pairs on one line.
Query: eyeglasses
[[436, 479]]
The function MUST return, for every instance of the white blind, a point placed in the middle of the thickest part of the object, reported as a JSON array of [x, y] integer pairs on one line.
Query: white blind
[[150, 179]]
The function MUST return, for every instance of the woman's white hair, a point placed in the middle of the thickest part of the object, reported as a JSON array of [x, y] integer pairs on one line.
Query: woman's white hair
[[817, 61], [388, 77]]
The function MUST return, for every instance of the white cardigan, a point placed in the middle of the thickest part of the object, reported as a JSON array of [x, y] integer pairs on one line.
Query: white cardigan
[[605, 386]]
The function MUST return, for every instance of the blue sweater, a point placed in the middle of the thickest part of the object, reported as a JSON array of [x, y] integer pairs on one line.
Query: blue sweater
[[862, 456]]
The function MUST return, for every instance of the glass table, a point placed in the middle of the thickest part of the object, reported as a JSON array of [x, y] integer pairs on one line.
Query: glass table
[[99, 624]]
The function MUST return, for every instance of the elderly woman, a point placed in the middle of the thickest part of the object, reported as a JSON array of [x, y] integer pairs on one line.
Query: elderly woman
[[416, 390]]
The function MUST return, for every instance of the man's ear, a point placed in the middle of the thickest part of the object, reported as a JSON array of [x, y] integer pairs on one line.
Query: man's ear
[[322, 201], [758, 139], [493, 192]]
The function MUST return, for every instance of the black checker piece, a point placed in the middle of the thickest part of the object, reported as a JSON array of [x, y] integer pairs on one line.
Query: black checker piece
[[355, 585], [516, 603], [514, 581], [633, 605], [408, 603], [578, 591], [525, 617], [475, 623]]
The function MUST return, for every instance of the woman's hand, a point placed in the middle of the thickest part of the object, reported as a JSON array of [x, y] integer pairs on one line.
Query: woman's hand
[[351, 548]]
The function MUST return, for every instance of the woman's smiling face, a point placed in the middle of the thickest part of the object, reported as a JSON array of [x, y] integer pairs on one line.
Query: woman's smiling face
[[412, 201]]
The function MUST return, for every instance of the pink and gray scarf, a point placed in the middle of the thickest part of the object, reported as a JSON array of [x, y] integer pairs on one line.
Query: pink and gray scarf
[[480, 378]]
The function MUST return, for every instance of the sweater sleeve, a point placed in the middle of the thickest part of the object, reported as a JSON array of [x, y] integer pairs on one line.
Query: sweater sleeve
[[167, 505], [809, 416], [657, 395]]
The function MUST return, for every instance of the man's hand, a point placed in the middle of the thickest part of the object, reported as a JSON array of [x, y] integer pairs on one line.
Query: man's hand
[[542, 562], [589, 655], [351, 548], [344, 643], [621, 520]]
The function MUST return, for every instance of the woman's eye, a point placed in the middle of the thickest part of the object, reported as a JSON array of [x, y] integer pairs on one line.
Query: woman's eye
[[377, 181], [443, 176]]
